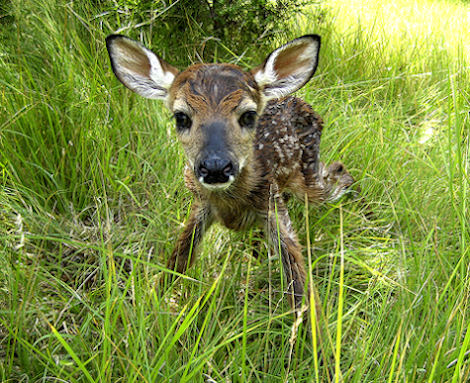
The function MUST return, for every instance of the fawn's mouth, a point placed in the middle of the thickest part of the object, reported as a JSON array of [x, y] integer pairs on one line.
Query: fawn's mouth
[[220, 186]]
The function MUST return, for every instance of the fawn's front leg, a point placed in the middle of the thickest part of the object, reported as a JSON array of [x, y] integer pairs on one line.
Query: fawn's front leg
[[284, 241], [185, 250]]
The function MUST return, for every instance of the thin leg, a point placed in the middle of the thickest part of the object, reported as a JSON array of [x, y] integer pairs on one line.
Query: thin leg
[[285, 243], [257, 244], [185, 250]]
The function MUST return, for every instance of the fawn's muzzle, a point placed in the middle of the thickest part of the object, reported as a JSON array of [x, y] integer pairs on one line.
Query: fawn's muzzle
[[215, 169]]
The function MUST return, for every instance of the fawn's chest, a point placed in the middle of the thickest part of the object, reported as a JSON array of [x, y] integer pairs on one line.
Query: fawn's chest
[[237, 218]]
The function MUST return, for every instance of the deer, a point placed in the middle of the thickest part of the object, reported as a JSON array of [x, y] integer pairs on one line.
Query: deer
[[247, 142]]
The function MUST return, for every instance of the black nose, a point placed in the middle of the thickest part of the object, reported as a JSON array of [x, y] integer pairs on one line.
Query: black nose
[[215, 170]]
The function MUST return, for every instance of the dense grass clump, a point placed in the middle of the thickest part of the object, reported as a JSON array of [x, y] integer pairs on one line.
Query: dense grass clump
[[92, 198]]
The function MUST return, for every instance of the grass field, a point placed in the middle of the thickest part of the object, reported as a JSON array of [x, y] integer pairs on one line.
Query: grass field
[[92, 199]]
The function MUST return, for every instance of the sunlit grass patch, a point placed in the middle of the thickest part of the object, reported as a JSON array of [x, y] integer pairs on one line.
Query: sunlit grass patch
[[416, 33]]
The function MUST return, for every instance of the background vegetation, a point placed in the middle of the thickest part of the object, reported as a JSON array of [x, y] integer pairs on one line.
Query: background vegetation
[[91, 202], [208, 30]]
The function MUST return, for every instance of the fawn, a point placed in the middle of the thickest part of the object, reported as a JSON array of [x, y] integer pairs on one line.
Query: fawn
[[246, 142]]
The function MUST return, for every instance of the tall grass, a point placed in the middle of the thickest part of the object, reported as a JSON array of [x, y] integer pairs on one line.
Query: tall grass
[[91, 201]]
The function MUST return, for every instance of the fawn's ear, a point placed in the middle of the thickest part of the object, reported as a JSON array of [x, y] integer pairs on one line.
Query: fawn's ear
[[289, 67], [138, 68]]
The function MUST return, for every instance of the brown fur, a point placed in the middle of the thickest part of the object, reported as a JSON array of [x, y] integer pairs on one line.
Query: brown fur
[[283, 156]]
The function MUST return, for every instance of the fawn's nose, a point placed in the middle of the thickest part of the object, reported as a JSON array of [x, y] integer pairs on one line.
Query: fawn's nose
[[215, 170]]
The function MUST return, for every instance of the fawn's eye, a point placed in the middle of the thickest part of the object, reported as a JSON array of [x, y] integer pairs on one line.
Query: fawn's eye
[[183, 121], [247, 119]]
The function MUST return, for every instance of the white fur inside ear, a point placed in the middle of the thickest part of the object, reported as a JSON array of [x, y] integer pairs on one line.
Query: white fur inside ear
[[267, 75], [139, 69], [157, 74], [286, 69]]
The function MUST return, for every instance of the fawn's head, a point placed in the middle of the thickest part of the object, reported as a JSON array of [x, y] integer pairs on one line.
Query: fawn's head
[[216, 106]]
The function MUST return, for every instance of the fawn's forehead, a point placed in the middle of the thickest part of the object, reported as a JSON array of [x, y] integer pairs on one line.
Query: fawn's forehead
[[221, 87]]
